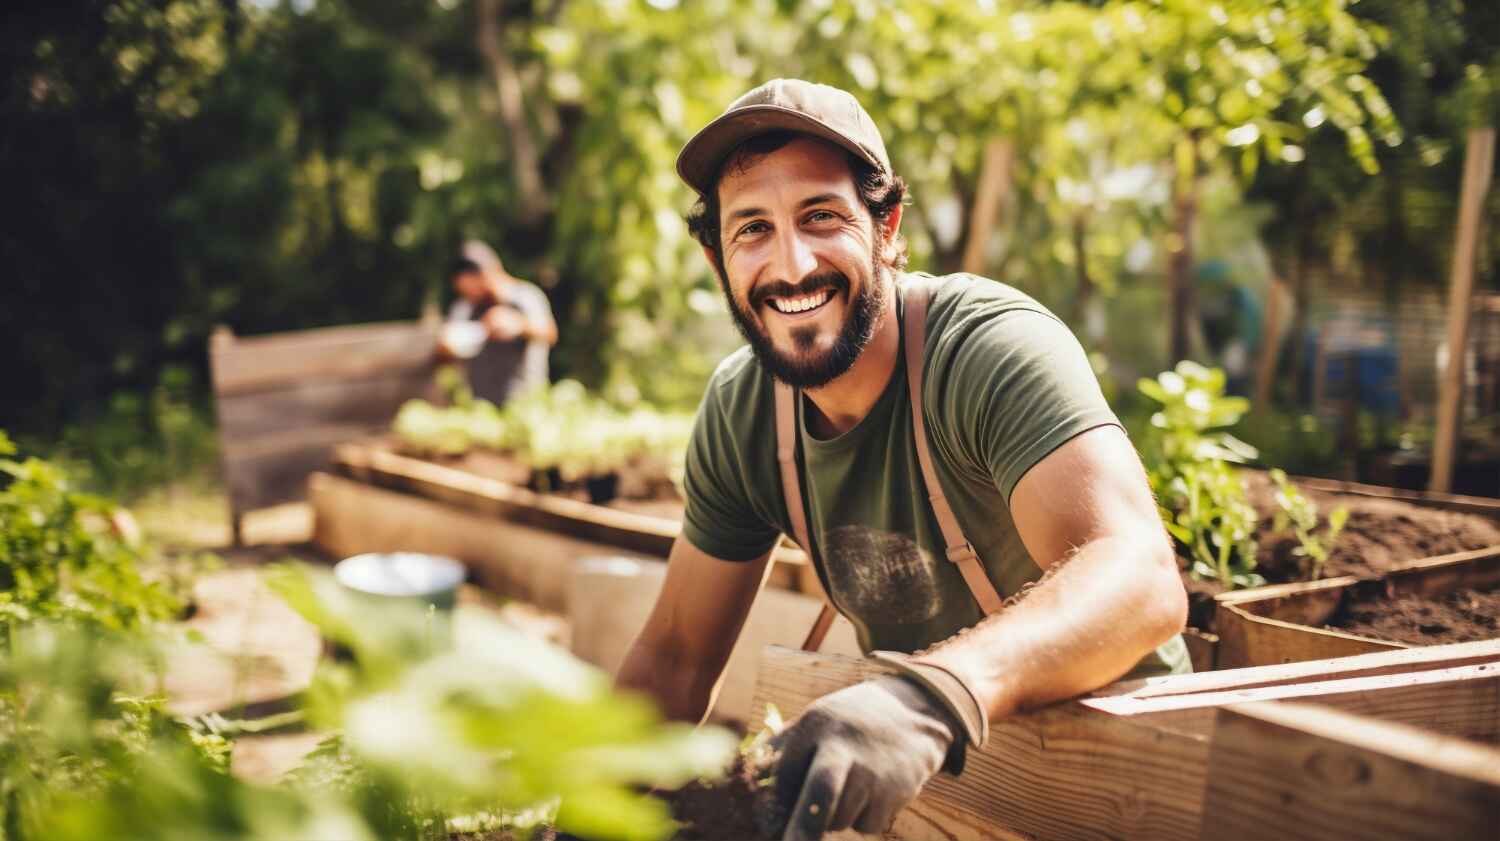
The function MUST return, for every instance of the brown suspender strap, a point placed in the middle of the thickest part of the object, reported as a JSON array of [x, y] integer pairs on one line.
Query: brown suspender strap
[[791, 490], [959, 550]]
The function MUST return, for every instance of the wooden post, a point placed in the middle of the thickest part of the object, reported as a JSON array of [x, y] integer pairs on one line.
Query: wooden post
[[1133, 761], [1270, 337], [1479, 161], [1296, 771], [994, 183]]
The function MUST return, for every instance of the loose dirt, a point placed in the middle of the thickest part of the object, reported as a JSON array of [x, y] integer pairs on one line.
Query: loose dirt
[[1459, 616], [724, 811], [1379, 534]]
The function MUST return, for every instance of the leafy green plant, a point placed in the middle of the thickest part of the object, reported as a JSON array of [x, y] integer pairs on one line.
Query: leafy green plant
[[1190, 462], [1300, 514], [64, 555]]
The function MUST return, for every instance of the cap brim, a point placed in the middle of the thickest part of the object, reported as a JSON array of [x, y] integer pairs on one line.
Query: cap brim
[[700, 159]]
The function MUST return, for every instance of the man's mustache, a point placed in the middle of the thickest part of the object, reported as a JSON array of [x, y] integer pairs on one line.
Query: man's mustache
[[838, 281]]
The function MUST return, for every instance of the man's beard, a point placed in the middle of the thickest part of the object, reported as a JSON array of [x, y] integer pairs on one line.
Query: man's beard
[[808, 369]]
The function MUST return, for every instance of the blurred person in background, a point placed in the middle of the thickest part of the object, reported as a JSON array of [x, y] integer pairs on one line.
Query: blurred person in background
[[516, 318], [953, 456]]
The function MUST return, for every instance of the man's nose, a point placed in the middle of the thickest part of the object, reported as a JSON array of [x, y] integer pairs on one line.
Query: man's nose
[[793, 259]]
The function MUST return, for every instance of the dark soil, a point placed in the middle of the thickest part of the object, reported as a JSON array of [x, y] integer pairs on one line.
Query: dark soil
[[1459, 616], [1379, 534], [723, 811], [639, 489]]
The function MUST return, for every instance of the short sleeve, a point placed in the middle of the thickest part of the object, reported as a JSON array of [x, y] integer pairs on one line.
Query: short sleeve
[[1017, 387], [534, 302], [719, 519]]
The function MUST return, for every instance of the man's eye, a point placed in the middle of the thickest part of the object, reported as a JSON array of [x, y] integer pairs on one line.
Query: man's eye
[[821, 216], [753, 228]]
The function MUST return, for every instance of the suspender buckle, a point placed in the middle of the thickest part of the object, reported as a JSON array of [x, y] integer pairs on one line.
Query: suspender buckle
[[962, 552]]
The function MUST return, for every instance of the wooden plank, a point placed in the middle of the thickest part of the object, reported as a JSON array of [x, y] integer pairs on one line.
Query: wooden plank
[[1459, 700], [1435, 499], [508, 558], [1064, 772], [273, 469], [1479, 161], [1246, 639], [1295, 771], [372, 402], [1393, 662], [241, 365], [610, 599], [1202, 649], [631, 530], [1116, 766], [1280, 623]]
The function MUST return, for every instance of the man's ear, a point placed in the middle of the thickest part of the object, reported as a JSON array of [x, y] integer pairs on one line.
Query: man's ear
[[891, 227]]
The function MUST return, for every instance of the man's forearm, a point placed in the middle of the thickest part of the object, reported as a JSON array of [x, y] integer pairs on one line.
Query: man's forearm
[[682, 693], [1085, 624]]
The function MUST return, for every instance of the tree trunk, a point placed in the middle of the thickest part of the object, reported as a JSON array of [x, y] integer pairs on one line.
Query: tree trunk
[[1182, 292], [1085, 289], [989, 197], [525, 159]]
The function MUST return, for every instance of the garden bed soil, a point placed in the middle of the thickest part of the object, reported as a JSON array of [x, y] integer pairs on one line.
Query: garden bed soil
[[638, 491], [725, 810], [1465, 615], [1379, 534]]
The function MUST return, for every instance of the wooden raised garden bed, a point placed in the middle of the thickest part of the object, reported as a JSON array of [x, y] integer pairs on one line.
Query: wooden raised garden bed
[[1398, 744], [1388, 529], [521, 543], [1450, 598]]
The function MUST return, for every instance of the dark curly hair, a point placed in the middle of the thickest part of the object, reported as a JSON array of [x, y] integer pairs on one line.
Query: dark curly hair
[[881, 193]]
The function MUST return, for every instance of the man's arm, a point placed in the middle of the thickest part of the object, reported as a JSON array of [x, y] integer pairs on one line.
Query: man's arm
[[1110, 595], [680, 654], [1111, 592]]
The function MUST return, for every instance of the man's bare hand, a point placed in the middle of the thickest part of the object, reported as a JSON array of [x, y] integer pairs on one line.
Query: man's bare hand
[[858, 756], [504, 324]]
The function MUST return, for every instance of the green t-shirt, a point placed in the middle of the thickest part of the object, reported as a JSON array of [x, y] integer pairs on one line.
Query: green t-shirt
[[1005, 384]]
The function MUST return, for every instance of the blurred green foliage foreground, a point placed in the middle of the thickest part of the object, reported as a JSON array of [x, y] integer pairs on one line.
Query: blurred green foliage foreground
[[175, 164], [437, 722]]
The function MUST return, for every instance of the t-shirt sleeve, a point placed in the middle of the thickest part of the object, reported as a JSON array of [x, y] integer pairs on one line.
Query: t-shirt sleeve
[[533, 302], [719, 519], [1018, 387]]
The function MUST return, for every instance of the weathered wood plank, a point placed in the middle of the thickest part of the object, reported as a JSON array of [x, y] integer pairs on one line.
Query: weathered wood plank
[[1457, 700], [630, 530], [372, 402], [271, 469], [1281, 623], [1434, 499], [1296, 771], [1393, 662], [241, 365], [1128, 763], [508, 558], [1064, 772]]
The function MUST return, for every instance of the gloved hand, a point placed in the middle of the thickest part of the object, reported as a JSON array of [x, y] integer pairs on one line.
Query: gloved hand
[[858, 756]]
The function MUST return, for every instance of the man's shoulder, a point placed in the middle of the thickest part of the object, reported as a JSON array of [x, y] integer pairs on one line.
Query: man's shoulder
[[962, 296], [737, 383]]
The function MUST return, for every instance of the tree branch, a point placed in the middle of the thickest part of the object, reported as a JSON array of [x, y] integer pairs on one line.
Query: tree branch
[[524, 157]]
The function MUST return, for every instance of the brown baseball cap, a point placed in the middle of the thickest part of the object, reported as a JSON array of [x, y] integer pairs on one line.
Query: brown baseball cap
[[782, 105]]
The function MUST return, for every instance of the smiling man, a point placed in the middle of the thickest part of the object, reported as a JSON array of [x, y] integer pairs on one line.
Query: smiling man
[[939, 446]]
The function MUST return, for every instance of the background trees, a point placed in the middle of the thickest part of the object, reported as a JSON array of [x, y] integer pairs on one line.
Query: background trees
[[175, 164]]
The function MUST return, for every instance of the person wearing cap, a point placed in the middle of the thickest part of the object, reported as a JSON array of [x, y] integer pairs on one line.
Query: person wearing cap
[[517, 319], [938, 445]]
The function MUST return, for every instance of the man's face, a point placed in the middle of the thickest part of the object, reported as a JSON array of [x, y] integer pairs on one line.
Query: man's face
[[470, 286], [800, 270]]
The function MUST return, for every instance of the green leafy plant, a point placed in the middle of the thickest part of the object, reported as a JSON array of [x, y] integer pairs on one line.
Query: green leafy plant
[[1300, 514], [1190, 462], [69, 556]]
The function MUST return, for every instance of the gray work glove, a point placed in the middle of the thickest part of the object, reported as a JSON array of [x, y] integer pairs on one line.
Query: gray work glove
[[858, 756]]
